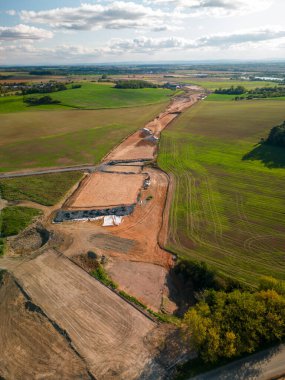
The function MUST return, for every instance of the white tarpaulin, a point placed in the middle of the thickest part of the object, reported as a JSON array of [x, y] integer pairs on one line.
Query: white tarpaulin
[[112, 220]]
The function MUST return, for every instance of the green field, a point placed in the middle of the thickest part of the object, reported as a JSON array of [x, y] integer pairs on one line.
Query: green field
[[229, 203], [45, 189], [215, 84], [90, 96], [14, 219], [15, 103], [62, 138]]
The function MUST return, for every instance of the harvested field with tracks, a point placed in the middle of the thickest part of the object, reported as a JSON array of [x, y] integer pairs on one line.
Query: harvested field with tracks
[[228, 208]]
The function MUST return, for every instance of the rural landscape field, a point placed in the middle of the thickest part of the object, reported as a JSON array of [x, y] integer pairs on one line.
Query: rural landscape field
[[228, 207], [142, 203]]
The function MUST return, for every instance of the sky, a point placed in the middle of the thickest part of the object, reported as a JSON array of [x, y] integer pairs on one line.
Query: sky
[[38, 32]]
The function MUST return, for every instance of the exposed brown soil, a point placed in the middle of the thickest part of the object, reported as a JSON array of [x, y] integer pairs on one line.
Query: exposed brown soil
[[101, 325], [3, 203], [131, 148], [106, 189], [28, 241], [139, 278], [31, 347]]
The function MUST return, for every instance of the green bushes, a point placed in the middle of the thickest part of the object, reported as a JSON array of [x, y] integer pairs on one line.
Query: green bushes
[[266, 92], [238, 90], [202, 277], [33, 101], [270, 283], [132, 299], [2, 246], [100, 274]]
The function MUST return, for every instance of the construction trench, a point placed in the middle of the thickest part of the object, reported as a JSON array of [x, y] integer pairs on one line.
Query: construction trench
[[126, 161], [119, 211]]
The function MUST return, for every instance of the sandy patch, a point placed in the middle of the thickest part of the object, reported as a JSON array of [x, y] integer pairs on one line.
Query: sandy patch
[[145, 281], [106, 189]]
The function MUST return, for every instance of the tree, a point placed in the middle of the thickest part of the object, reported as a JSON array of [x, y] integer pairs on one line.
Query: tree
[[225, 325], [277, 135]]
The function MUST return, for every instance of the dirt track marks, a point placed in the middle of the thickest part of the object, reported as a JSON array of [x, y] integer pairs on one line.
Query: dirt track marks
[[31, 348], [102, 327]]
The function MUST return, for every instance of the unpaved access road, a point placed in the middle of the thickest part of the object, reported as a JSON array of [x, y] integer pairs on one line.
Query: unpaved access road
[[28, 173], [135, 148]]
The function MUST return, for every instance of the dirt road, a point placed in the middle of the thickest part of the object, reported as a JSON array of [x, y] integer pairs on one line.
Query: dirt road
[[135, 148], [27, 173]]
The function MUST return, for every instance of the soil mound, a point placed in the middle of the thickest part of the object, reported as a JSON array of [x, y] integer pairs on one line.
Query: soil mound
[[29, 240]]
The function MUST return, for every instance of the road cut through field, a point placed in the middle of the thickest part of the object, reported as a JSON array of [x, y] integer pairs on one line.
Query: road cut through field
[[143, 227], [134, 147], [108, 333]]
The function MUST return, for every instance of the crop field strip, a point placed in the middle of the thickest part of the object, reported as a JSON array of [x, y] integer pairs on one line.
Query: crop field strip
[[227, 210]]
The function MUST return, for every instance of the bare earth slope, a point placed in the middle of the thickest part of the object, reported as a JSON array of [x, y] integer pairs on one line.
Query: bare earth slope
[[31, 347], [108, 332]]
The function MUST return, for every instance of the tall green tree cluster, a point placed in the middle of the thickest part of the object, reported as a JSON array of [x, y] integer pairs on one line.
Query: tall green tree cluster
[[277, 135], [226, 325], [239, 90], [134, 83]]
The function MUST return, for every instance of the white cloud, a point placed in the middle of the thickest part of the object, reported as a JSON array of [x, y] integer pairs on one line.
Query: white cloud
[[142, 45], [218, 41], [216, 7], [117, 15], [11, 12], [23, 32]]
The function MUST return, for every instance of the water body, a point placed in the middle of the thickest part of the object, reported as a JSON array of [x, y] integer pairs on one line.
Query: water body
[[270, 78]]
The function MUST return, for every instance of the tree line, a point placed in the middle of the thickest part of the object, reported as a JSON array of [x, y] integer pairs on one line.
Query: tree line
[[134, 84], [239, 90], [44, 88], [257, 93]]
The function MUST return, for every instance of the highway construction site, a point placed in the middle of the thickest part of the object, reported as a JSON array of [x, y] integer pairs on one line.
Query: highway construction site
[[64, 321]]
